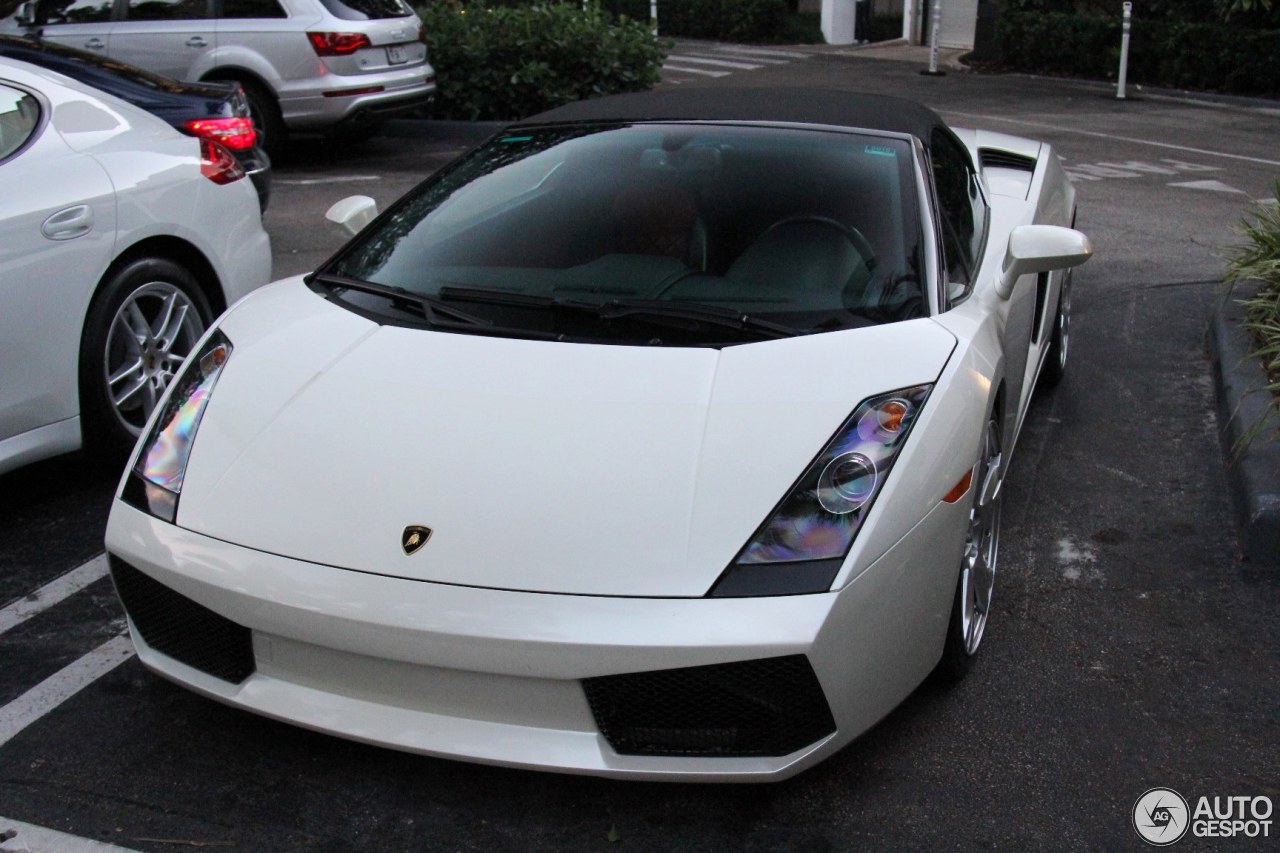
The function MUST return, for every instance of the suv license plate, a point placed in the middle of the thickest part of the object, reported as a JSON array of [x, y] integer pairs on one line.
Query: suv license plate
[[396, 54]]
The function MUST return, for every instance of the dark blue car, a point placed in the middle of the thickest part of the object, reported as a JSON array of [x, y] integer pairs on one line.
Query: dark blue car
[[217, 111]]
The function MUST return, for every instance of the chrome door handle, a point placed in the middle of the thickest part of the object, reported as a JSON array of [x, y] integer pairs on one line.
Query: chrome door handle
[[69, 223], [95, 44], [197, 41]]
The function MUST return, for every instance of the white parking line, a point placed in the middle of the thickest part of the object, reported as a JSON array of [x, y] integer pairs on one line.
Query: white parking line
[[753, 58], [1115, 137], [765, 51], [62, 685], [1211, 186], [698, 60], [39, 839], [701, 71], [24, 608]]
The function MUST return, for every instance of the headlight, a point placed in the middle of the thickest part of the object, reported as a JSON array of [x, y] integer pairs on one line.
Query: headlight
[[155, 482], [802, 544]]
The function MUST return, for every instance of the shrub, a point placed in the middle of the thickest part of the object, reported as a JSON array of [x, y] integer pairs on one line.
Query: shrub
[[1208, 56], [506, 63], [1240, 13], [728, 20], [1258, 261]]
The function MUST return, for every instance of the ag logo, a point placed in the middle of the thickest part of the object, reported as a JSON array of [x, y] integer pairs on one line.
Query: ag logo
[[414, 537], [1161, 816]]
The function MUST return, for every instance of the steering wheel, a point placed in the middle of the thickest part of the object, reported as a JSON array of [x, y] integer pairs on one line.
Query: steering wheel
[[853, 235]]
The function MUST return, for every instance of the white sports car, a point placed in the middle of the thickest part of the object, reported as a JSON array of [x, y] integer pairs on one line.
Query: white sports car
[[661, 436], [120, 240]]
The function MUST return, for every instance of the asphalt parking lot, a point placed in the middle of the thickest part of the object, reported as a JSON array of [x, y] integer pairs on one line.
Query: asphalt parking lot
[[1130, 646]]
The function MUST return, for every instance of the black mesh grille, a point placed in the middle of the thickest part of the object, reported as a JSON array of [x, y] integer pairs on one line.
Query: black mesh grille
[[185, 631], [752, 708], [992, 157]]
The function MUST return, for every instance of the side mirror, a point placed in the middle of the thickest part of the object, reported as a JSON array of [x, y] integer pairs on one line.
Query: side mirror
[[26, 14], [353, 213], [1040, 248]]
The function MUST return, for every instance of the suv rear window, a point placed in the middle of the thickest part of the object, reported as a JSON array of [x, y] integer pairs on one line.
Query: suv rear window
[[367, 10]]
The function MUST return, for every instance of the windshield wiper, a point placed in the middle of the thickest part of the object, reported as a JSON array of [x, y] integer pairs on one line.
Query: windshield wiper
[[433, 310], [513, 299], [726, 318], [494, 297]]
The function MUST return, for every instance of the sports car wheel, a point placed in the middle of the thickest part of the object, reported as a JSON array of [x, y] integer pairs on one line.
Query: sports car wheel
[[1055, 364], [141, 325], [972, 602]]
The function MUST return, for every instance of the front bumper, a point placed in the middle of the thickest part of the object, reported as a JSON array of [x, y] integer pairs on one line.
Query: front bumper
[[498, 677]]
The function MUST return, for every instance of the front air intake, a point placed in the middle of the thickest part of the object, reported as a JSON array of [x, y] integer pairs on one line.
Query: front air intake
[[176, 626], [767, 707]]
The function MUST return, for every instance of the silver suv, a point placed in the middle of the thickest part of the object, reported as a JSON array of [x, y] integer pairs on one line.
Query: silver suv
[[306, 65]]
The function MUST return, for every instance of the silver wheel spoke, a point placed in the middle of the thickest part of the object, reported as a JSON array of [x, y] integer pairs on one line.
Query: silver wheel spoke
[[175, 319], [149, 398], [138, 322], [124, 372], [122, 398], [124, 329]]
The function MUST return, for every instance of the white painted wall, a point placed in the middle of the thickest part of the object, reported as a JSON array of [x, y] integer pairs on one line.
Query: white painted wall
[[959, 20], [837, 21]]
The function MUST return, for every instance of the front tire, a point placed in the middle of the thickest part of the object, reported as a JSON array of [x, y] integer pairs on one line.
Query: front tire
[[144, 321], [972, 603], [1055, 363]]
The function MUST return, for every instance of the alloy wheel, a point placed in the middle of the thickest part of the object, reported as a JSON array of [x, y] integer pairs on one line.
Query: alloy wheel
[[982, 543], [1064, 319], [153, 331]]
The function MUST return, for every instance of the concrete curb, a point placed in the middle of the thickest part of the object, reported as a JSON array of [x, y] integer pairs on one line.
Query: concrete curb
[[1253, 472]]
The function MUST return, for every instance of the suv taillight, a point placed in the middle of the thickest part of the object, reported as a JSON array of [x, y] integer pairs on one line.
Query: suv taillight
[[217, 163], [338, 44], [235, 133]]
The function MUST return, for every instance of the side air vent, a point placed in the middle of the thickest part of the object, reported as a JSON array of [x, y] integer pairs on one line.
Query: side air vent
[[994, 158]]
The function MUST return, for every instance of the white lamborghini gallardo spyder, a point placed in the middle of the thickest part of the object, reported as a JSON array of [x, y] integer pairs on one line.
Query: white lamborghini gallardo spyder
[[661, 436]]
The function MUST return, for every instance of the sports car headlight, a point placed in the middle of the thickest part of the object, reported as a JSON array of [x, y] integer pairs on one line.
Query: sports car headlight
[[803, 542], [155, 482]]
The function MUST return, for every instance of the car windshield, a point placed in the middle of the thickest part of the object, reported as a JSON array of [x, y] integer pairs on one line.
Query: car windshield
[[678, 234]]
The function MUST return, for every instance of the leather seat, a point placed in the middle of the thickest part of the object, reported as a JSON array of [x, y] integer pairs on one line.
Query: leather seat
[[808, 263], [660, 219]]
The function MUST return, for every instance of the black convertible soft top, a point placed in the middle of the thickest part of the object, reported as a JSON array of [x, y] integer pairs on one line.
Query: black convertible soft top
[[801, 106]]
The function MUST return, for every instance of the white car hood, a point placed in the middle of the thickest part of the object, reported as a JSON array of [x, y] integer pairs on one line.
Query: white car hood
[[539, 466]]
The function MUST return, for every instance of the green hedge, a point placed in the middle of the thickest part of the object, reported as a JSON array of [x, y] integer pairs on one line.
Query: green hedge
[[1210, 57], [1172, 11], [725, 20], [507, 63]]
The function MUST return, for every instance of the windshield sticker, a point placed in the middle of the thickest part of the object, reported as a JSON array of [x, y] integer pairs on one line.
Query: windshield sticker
[[880, 151], [516, 139]]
